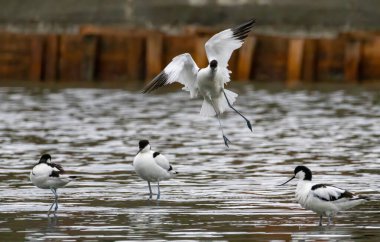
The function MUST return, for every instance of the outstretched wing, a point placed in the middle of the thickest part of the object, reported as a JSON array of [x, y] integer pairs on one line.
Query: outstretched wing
[[222, 44], [330, 193], [182, 69]]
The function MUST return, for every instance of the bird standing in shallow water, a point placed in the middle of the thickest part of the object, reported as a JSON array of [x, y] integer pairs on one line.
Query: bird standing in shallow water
[[152, 166], [323, 199], [208, 82], [47, 175]]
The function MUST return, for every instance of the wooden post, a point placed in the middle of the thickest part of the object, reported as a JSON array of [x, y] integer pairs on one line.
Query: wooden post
[[352, 61], [294, 67], [51, 57], [36, 48], [200, 56], [245, 59], [154, 55], [135, 57], [309, 60], [89, 57]]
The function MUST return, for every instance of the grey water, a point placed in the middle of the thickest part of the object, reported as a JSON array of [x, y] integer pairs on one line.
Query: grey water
[[219, 194]]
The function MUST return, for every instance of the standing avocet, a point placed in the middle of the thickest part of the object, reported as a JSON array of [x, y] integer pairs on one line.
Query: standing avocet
[[152, 166], [323, 199], [208, 82], [47, 175]]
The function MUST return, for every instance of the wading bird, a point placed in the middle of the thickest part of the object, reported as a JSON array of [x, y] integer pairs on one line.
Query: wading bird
[[207, 82], [323, 199], [152, 166], [47, 175]]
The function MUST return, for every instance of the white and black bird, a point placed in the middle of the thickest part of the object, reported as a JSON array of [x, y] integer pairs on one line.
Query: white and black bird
[[47, 175], [323, 199], [152, 166], [207, 82]]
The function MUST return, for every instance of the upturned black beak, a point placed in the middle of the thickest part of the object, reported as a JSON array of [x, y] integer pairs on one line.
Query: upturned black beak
[[139, 151], [288, 181]]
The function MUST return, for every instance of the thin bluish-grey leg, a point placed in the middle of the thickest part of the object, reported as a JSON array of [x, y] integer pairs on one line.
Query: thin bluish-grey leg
[[52, 190], [56, 200], [226, 140], [229, 104], [320, 220], [158, 190], [150, 191], [329, 220]]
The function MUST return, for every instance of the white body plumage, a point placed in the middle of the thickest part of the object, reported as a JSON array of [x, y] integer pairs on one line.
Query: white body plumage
[[41, 177], [152, 169], [325, 201], [210, 84]]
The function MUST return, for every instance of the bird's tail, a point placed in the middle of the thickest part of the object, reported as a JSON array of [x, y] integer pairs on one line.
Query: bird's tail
[[354, 201], [173, 173], [67, 178], [364, 198], [62, 180], [220, 103]]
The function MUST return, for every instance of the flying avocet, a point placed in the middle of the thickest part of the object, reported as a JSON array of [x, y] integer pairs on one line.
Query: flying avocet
[[207, 82]]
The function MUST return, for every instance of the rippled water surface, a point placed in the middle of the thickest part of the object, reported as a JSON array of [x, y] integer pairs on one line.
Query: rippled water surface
[[219, 193]]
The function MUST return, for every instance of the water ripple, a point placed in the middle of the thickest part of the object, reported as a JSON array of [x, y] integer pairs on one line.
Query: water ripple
[[219, 193]]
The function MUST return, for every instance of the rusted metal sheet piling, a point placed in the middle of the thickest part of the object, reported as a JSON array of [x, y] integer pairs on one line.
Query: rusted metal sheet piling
[[106, 55]]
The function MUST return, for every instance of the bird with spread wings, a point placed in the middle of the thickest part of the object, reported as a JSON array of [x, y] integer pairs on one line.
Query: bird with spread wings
[[207, 82]]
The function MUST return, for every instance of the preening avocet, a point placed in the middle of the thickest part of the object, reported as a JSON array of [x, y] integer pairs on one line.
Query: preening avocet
[[152, 166], [47, 175], [207, 82], [323, 199]]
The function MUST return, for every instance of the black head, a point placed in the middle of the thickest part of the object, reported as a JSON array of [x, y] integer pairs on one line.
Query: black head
[[213, 64], [300, 172], [305, 170], [44, 158], [143, 144]]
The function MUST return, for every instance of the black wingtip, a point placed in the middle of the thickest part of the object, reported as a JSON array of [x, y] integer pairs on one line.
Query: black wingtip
[[159, 81], [241, 32]]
